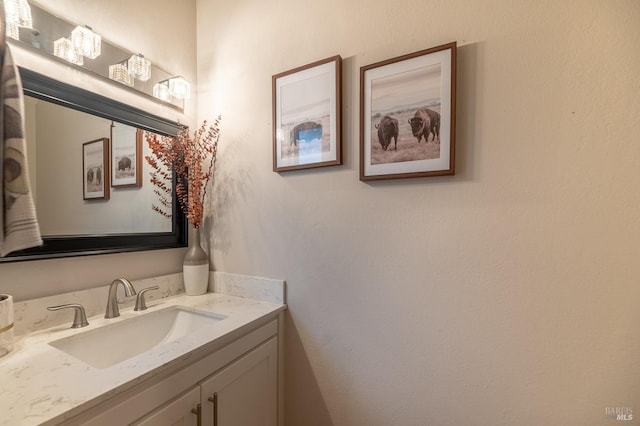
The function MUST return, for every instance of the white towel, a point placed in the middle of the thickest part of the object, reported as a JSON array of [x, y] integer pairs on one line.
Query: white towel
[[20, 227]]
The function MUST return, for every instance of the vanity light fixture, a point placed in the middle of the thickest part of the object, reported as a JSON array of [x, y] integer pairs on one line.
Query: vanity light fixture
[[139, 67], [63, 48], [161, 91], [86, 42], [119, 72], [17, 14], [179, 88], [55, 37]]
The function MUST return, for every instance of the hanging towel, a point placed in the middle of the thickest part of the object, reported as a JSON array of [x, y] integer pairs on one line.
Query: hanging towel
[[20, 227]]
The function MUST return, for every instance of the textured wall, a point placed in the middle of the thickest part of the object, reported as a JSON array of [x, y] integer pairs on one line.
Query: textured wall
[[164, 32], [505, 295]]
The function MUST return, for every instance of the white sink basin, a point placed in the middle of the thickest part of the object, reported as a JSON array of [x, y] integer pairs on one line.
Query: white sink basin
[[111, 344]]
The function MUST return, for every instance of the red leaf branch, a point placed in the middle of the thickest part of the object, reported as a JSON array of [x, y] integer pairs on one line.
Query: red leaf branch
[[193, 158]]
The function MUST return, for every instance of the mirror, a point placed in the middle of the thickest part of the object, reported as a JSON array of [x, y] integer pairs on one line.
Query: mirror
[[64, 124], [56, 133]]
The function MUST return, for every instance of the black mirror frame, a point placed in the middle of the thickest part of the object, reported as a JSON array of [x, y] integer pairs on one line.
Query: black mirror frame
[[48, 89]]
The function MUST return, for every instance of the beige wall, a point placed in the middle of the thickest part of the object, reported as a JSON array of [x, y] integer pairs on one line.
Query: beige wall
[[506, 295], [164, 32]]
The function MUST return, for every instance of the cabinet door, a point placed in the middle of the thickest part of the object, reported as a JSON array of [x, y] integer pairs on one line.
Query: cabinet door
[[175, 413], [245, 393]]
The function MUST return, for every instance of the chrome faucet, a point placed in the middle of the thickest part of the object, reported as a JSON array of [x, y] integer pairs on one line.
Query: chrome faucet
[[112, 301]]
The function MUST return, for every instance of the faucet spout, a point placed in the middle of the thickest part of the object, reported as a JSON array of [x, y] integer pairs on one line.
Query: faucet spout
[[112, 310]]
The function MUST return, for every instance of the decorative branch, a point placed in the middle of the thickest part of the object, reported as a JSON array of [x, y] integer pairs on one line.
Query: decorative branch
[[193, 159]]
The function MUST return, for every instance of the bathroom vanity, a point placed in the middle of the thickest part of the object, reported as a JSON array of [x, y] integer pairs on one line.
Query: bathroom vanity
[[216, 360]]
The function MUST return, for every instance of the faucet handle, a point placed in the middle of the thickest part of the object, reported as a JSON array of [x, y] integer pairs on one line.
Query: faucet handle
[[140, 303], [79, 318]]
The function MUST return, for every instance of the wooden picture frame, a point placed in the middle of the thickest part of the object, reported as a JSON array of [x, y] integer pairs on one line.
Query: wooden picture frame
[[95, 169], [126, 156], [407, 115], [307, 109]]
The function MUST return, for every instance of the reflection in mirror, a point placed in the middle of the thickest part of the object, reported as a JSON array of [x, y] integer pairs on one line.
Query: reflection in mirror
[[59, 120], [56, 135]]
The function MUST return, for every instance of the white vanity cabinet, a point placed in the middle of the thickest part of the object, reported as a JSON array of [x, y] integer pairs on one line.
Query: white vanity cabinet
[[237, 383], [244, 393]]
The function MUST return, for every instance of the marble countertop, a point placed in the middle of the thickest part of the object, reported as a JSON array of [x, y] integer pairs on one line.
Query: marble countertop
[[43, 385]]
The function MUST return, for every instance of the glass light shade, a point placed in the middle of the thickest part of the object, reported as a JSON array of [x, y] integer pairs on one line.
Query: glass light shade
[[179, 88], [13, 30], [63, 48], [161, 91], [18, 12], [139, 67], [86, 42], [119, 73]]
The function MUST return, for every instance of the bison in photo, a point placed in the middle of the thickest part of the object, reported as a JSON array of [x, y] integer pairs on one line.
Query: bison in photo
[[124, 163], [424, 123], [387, 129]]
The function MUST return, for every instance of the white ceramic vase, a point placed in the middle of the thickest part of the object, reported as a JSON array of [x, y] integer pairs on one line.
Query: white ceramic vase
[[6, 324], [195, 268]]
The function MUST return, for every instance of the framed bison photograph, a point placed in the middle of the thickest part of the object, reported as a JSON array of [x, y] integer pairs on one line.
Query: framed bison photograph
[[126, 155], [407, 115], [95, 167], [306, 116]]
